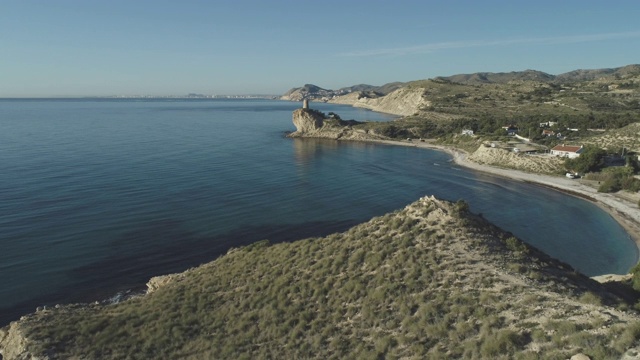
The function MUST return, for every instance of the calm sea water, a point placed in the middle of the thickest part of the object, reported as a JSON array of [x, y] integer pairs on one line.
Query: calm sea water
[[97, 196]]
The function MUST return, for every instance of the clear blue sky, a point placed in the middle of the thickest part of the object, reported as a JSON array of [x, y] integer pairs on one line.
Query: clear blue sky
[[99, 47]]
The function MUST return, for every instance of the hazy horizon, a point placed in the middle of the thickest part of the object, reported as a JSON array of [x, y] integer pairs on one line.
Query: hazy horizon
[[87, 49]]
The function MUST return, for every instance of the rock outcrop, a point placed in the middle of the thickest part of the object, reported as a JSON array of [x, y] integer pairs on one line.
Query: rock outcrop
[[157, 282], [311, 123], [307, 121], [14, 343]]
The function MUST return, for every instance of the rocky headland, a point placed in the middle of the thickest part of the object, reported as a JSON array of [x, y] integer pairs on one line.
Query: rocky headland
[[430, 280], [314, 124]]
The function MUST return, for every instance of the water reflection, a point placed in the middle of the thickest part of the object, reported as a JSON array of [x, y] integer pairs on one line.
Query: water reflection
[[307, 149]]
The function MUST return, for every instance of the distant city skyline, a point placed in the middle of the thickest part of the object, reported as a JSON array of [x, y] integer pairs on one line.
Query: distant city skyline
[[159, 48]]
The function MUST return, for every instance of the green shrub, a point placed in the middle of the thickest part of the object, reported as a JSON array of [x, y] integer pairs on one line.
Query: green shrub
[[590, 298], [635, 280], [610, 185], [516, 245], [591, 159], [502, 342], [630, 337]]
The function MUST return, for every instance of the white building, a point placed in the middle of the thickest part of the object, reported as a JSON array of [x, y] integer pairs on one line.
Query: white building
[[567, 151]]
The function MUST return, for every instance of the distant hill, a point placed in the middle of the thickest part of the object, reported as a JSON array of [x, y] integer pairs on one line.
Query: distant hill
[[498, 78], [313, 92], [599, 98], [589, 75], [382, 90], [307, 91], [539, 76]]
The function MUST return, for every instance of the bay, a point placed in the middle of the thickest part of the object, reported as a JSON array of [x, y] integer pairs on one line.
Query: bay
[[98, 195]]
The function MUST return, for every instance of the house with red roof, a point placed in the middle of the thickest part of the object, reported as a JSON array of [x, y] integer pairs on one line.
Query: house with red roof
[[567, 151]]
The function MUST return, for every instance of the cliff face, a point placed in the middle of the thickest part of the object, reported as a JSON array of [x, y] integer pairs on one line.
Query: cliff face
[[307, 121], [403, 102]]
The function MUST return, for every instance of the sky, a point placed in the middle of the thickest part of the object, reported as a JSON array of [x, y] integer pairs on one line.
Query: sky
[[102, 48]]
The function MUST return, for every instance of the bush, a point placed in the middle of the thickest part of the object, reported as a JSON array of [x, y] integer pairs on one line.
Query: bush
[[636, 277], [618, 178], [516, 245], [462, 206], [590, 298], [628, 338], [504, 342], [591, 159], [610, 185]]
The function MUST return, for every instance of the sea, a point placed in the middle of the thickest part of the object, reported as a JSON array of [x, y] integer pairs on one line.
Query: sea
[[99, 195]]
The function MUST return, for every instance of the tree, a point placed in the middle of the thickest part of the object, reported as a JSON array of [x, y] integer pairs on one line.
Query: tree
[[636, 277], [591, 159]]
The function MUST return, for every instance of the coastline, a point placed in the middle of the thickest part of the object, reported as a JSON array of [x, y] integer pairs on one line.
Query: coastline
[[626, 213]]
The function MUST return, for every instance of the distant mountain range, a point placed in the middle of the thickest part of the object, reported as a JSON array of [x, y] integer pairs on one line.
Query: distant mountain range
[[314, 92], [539, 76]]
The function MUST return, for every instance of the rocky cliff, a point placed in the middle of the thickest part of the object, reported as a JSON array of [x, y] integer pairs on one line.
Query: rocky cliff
[[313, 124], [307, 121]]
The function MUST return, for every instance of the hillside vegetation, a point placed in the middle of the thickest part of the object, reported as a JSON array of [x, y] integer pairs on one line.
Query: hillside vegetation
[[429, 281], [579, 104]]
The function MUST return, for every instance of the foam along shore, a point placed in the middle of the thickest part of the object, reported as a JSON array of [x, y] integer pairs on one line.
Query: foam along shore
[[625, 212]]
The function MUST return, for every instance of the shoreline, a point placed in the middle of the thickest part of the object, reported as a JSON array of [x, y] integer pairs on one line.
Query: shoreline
[[624, 212]]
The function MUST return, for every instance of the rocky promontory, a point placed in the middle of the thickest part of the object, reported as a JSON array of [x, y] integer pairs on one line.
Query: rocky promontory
[[431, 280], [315, 124]]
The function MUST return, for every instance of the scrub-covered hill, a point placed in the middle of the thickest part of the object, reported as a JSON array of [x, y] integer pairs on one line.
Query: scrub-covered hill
[[429, 281]]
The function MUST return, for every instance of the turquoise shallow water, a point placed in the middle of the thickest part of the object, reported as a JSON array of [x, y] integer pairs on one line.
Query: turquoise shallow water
[[96, 196]]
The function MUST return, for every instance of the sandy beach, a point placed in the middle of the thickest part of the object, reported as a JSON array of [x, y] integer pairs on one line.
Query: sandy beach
[[623, 210]]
